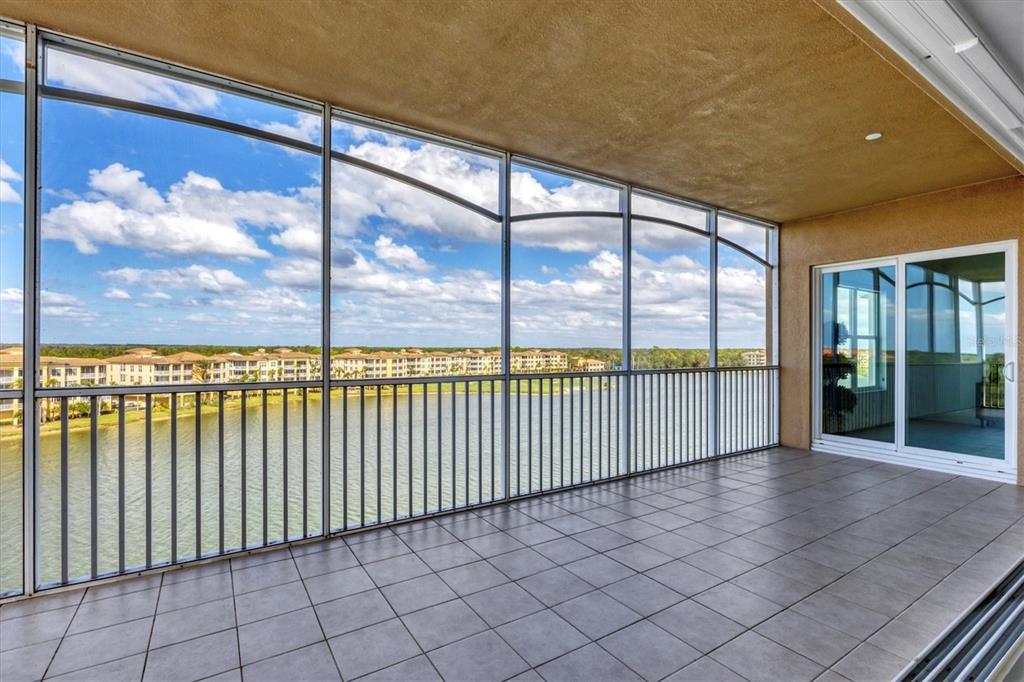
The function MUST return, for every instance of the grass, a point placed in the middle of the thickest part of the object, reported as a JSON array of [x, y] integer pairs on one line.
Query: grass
[[160, 410]]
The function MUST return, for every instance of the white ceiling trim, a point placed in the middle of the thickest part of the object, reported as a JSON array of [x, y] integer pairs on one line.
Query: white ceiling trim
[[932, 37]]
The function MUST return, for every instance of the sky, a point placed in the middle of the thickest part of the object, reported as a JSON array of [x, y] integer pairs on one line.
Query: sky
[[157, 231]]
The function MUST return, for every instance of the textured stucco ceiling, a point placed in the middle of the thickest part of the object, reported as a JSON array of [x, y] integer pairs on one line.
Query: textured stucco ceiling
[[760, 106]]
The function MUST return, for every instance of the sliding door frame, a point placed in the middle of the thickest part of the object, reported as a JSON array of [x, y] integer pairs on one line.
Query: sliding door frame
[[899, 452]]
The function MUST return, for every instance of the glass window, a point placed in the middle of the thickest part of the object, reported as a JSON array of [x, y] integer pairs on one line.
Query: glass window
[[670, 292], [646, 205], [416, 278], [12, 187], [566, 288], [12, 197], [750, 236], [144, 84], [170, 243], [743, 309], [468, 175]]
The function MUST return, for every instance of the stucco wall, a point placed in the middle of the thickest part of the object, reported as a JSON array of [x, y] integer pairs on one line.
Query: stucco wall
[[988, 212]]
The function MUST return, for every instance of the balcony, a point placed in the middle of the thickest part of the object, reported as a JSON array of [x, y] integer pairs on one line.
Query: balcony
[[779, 564], [668, 368]]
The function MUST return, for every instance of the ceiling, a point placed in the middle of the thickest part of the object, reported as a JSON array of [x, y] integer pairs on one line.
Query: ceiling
[[761, 107]]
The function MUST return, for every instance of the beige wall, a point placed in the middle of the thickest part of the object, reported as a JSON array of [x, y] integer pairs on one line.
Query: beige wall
[[987, 212]]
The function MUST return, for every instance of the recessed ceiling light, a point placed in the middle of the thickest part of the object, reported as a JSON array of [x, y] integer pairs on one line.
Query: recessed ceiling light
[[871, 137]]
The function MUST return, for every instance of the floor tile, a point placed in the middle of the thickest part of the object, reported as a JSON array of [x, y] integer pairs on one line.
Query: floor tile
[[473, 577], [271, 601], [542, 636], [781, 589], [194, 659], [396, 569], [868, 662], [481, 658], [350, 613], [697, 625], [717, 562], [448, 556], [502, 604], [341, 583], [595, 614], [685, 579], [493, 544], [100, 646], [564, 550], [811, 639], [521, 563], [27, 663], [128, 669], [759, 659], [638, 556], [673, 544], [309, 663], [588, 663], [34, 628], [642, 594], [193, 621], [705, 669], [534, 533], [419, 669], [649, 650], [417, 593], [738, 604], [192, 592], [278, 634], [840, 614], [554, 586], [601, 539], [599, 570], [442, 624], [427, 538], [264, 575], [372, 648], [384, 547], [327, 561]]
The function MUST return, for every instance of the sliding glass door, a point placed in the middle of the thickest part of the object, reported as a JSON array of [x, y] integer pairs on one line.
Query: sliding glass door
[[956, 358], [915, 358], [858, 353]]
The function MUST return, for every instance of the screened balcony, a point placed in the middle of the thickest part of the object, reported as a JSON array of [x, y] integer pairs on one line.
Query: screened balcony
[[294, 392]]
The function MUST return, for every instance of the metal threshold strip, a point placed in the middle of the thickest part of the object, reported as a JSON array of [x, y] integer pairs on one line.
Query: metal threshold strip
[[980, 645]]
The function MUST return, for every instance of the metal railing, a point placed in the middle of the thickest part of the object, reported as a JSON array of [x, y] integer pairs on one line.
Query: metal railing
[[130, 479]]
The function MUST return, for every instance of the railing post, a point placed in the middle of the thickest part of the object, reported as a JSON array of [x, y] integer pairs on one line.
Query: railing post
[[325, 323], [625, 206], [713, 445], [505, 203], [30, 316]]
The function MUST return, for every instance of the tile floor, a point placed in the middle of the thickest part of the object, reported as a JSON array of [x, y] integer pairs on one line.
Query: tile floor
[[779, 565]]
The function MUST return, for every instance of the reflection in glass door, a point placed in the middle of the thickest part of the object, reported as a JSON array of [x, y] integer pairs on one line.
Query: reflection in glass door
[[858, 352], [955, 354]]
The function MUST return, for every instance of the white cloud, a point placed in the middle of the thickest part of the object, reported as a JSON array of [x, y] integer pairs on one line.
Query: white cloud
[[106, 78], [117, 294], [7, 172], [8, 195], [193, 277], [159, 295], [197, 216], [63, 305], [399, 255], [305, 127]]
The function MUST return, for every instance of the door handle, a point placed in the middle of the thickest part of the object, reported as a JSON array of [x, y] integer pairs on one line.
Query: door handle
[[1009, 373]]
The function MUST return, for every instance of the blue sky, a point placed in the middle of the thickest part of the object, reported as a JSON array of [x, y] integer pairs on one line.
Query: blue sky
[[156, 231]]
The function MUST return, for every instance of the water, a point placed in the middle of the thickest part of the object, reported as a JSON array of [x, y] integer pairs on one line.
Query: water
[[557, 438]]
